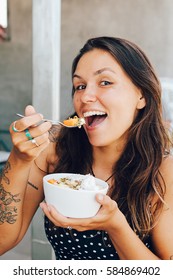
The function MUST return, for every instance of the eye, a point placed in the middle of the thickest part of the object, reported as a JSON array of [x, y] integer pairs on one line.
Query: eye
[[79, 87], [105, 83]]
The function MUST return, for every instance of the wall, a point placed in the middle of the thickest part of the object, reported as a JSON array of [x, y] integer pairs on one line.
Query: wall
[[16, 63], [146, 22]]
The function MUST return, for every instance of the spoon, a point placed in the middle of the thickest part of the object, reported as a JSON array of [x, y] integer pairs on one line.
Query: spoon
[[79, 121]]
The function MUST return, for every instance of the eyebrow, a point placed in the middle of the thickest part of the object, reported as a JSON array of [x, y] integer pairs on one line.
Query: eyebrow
[[97, 72]]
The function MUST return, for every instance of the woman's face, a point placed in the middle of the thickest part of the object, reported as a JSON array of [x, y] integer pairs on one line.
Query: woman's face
[[106, 97]]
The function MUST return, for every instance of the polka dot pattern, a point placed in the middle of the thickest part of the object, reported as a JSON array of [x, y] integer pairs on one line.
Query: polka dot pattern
[[74, 245]]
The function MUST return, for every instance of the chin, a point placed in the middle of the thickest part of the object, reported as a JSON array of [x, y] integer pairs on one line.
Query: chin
[[97, 142]]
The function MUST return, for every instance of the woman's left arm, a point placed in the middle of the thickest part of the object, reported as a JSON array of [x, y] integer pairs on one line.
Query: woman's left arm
[[129, 246], [162, 234]]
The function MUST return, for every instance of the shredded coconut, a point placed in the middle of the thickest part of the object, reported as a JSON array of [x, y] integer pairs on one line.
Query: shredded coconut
[[76, 182]]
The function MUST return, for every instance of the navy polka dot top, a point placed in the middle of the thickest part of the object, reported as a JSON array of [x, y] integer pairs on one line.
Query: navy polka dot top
[[75, 245]]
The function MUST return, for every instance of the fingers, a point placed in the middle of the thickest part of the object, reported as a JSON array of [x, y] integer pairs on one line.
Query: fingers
[[39, 132], [29, 110], [26, 122], [106, 202], [54, 216], [35, 143], [32, 121], [103, 220], [65, 222], [38, 141], [29, 134], [33, 132]]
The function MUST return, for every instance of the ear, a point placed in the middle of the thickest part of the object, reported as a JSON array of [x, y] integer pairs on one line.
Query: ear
[[141, 103]]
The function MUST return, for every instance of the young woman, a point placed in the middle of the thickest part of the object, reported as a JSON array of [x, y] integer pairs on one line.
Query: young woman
[[123, 142]]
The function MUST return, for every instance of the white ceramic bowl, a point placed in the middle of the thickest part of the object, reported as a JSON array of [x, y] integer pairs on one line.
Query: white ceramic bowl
[[72, 203]]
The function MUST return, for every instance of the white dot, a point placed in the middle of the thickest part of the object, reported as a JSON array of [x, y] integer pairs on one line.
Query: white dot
[[69, 241], [94, 251], [102, 249], [86, 252], [61, 242], [91, 243], [99, 244], [85, 245], [84, 236], [78, 246]]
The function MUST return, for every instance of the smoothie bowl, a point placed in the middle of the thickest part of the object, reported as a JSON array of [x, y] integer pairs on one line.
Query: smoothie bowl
[[73, 195]]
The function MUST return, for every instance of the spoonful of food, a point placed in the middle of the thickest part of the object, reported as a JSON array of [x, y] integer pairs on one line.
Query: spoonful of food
[[70, 122]]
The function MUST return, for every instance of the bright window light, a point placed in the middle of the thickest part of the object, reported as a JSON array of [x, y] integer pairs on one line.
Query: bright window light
[[3, 14]]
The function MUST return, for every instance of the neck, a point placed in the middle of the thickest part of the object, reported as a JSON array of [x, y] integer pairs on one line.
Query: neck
[[104, 159], [106, 156]]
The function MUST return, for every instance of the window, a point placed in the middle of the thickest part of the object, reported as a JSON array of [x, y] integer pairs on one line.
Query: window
[[4, 24]]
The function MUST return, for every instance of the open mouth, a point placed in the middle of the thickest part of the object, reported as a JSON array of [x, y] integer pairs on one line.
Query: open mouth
[[94, 118]]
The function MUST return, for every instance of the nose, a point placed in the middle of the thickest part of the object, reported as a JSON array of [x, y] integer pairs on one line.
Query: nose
[[89, 94]]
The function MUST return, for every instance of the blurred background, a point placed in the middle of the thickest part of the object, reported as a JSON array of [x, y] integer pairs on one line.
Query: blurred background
[[38, 42]]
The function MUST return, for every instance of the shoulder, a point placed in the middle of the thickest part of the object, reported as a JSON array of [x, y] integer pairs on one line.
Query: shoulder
[[52, 157], [47, 158], [162, 232], [166, 170]]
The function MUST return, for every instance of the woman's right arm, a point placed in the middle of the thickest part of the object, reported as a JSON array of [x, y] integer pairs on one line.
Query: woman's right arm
[[21, 180]]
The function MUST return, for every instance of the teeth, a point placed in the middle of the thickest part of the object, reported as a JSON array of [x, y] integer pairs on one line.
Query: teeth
[[93, 113]]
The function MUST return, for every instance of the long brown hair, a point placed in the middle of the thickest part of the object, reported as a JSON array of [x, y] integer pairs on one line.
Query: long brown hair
[[137, 178]]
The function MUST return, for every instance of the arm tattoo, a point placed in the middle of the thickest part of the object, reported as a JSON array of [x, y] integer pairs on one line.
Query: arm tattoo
[[8, 213], [32, 185], [5, 170]]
